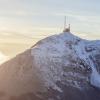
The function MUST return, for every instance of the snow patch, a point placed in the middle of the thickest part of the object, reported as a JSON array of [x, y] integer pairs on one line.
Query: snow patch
[[95, 76]]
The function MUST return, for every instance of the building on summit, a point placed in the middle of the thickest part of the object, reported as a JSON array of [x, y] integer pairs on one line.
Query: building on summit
[[66, 28]]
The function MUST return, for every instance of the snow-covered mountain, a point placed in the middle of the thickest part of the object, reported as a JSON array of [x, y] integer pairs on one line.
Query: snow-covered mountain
[[60, 67]]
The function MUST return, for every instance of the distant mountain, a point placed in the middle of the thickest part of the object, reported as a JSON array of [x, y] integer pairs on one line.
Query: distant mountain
[[59, 67]]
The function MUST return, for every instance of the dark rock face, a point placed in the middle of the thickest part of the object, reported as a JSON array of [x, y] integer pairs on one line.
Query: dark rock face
[[56, 68], [97, 61], [69, 93]]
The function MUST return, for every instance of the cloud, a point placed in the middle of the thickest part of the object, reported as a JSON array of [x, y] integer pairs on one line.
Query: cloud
[[3, 58]]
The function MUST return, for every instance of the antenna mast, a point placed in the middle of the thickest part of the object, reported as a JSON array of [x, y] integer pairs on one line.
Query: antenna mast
[[65, 22], [66, 28]]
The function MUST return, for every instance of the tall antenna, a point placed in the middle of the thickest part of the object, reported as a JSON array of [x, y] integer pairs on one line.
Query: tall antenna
[[66, 27], [65, 22]]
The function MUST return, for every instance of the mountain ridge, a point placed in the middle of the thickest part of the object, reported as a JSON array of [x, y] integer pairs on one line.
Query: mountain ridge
[[59, 67]]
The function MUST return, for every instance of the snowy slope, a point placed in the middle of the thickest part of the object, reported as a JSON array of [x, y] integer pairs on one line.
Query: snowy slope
[[56, 53], [59, 67]]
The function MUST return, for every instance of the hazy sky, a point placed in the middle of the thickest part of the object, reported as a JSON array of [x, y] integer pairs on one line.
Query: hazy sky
[[23, 22], [44, 17]]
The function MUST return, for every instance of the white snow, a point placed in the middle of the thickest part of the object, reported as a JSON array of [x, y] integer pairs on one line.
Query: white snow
[[95, 78], [49, 58]]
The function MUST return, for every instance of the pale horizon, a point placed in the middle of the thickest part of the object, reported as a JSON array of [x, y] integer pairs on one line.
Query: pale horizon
[[24, 22]]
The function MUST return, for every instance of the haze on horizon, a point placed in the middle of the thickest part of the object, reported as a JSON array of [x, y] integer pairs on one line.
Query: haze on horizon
[[24, 22]]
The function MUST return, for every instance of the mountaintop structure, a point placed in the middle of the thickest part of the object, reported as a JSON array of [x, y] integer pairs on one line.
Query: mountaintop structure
[[66, 27]]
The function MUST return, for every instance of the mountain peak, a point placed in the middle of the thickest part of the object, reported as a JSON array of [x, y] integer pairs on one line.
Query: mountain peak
[[55, 68], [61, 48]]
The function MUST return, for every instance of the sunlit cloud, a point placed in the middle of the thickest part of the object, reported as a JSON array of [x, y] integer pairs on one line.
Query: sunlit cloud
[[3, 58]]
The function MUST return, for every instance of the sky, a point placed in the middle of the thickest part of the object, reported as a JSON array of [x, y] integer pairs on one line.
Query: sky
[[42, 17], [27, 21]]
